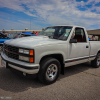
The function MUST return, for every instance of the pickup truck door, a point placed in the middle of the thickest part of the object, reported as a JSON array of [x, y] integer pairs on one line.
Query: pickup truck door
[[78, 52]]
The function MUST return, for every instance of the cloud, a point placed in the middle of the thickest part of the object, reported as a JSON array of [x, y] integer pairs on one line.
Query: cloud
[[19, 25], [56, 12], [91, 1], [30, 14], [17, 5], [12, 4]]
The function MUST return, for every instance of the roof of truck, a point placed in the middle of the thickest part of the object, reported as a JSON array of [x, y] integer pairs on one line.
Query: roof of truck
[[67, 25]]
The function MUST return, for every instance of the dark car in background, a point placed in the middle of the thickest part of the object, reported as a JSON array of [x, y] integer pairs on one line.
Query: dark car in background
[[2, 39], [19, 35], [2, 36], [12, 36]]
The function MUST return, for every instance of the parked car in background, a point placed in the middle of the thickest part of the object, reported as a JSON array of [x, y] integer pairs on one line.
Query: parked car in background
[[2, 36], [12, 36], [19, 35], [2, 39], [35, 33]]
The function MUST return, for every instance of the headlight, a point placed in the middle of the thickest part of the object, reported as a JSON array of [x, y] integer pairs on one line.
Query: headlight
[[26, 51], [21, 50], [24, 58], [29, 57], [30, 52]]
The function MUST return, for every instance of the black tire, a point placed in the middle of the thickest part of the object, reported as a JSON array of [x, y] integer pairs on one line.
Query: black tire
[[1, 48], [45, 70], [95, 63]]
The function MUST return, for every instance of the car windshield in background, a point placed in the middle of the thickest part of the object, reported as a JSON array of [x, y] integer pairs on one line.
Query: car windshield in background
[[57, 32], [18, 35], [13, 35]]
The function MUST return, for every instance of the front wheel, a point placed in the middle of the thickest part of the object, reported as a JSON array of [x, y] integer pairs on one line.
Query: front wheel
[[96, 62], [49, 70]]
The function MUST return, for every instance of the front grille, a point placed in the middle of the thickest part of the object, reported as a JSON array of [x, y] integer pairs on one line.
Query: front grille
[[11, 51]]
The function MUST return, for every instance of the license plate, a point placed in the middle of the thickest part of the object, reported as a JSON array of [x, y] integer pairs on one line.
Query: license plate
[[3, 63]]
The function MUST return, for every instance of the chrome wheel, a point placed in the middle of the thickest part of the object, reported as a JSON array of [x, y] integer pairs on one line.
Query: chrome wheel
[[51, 72]]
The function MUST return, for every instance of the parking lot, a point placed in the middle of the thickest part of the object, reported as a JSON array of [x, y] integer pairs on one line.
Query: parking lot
[[80, 82]]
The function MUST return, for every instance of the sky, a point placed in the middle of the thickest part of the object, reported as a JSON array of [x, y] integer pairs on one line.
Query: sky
[[38, 14]]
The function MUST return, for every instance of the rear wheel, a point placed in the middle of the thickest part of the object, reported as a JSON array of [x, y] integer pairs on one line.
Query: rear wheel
[[96, 62], [49, 70]]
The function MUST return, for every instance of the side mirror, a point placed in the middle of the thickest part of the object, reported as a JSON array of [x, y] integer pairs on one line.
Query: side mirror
[[73, 41]]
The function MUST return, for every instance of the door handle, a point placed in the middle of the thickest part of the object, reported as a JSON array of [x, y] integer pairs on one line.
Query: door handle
[[87, 46]]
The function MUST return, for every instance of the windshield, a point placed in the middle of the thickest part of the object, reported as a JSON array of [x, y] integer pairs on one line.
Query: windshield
[[13, 35], [57, 32]]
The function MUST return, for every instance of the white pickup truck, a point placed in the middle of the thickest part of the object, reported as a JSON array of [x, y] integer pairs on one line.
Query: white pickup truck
[[47, 54]]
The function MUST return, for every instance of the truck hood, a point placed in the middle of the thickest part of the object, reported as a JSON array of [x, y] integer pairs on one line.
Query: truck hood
[[32, 41]]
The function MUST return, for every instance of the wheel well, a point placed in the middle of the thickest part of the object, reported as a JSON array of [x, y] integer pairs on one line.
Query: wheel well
[[59, 57], [98, 51]]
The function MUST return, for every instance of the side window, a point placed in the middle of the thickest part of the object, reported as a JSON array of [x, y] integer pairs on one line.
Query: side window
[[79, 35], [93, 38]]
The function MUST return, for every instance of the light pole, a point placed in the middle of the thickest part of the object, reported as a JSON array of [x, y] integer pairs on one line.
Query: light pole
[[3, 31], [30, 23]]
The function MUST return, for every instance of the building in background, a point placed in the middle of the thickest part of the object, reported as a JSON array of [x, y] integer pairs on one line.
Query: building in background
[[19, 31], [95, 32]]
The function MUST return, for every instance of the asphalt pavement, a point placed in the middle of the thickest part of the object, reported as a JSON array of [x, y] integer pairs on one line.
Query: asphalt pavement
[[80, 82]]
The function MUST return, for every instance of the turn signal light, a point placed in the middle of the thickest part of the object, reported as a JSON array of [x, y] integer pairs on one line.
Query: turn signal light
[[31, 52], [31, 59]]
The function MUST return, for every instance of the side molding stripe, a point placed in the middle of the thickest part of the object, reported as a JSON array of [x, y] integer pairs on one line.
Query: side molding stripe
[[79, 59]]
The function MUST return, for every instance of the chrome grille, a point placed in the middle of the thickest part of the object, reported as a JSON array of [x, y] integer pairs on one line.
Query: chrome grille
[[11, 51]]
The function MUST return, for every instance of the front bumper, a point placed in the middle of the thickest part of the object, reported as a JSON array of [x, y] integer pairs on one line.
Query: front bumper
[[28, 68]]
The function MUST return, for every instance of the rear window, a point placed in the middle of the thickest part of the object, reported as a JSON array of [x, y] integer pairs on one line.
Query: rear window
[[93, 38]]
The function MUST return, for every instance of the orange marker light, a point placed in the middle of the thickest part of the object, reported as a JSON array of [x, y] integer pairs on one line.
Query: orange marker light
[[31, 59], [31, 52]]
